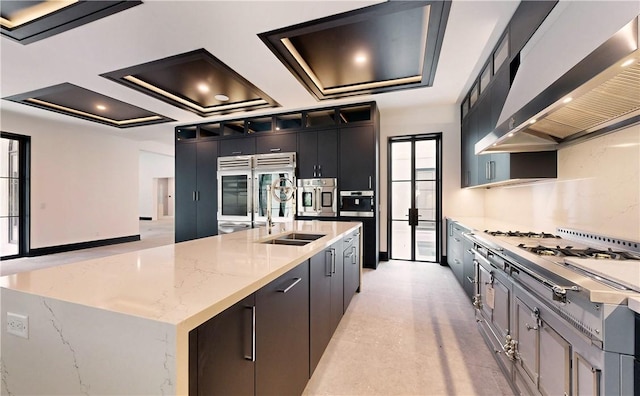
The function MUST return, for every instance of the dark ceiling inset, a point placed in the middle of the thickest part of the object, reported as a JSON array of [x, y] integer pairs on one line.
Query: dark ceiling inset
[[79, 102], [196, 81], [29, 21], [384, 47]]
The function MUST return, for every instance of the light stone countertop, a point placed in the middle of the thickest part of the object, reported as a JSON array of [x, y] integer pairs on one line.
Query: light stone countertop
[[180, 284]]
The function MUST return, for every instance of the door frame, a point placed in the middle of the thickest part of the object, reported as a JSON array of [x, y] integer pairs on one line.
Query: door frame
[[24, 196], [437, 137]]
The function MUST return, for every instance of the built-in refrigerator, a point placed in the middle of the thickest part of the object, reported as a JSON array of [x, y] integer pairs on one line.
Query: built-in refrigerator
[[243, 187]]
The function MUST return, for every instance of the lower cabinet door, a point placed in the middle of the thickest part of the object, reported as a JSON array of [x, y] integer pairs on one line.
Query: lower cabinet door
[[555, 362], [527, 336], [351, 272], [282, 334], [320, 267], [224, 357]]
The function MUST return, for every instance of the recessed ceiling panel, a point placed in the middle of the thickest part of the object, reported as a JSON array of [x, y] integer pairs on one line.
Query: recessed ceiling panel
[[29, 21], [79, 102], [195, 81], [385, 47]]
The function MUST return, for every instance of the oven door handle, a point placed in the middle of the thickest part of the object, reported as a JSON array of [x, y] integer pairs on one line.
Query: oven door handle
[[317, 204]]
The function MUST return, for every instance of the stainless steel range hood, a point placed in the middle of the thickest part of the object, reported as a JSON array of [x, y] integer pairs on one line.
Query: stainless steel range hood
[[600, 94]]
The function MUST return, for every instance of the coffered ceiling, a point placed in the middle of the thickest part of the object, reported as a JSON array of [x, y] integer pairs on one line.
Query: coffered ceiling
[[120, 45]]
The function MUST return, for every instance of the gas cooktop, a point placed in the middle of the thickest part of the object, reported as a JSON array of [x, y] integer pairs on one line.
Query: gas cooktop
[[607, 260]]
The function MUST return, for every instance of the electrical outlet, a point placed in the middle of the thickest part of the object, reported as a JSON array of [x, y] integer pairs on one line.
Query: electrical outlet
[[18, 324]]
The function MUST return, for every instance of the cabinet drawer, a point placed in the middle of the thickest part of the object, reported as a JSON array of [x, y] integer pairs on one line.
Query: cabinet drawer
[[283, 143]]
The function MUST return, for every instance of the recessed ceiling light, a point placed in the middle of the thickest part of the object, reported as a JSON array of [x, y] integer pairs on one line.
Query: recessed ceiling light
[[221, 97], [532, 121], [101, 107], [567, 100], [204, 88], [627, 62], [360, 58], [277, 128], [511, 134]]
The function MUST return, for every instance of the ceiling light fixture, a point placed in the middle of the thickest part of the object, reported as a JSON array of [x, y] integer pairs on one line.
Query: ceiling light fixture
[[567, 100], [532, 121], [628, 62], [101, 107], [221, 97], [33, 12], [511, 134], [204, 88], [360, 59]]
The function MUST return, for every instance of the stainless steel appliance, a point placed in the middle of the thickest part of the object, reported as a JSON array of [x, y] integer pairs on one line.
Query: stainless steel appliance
[[242, 190], [357, 203], [557, 328], [317, 197]]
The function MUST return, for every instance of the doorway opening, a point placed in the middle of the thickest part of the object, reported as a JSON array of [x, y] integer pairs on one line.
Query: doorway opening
[[164, 197], [14, 186], [415, 197]]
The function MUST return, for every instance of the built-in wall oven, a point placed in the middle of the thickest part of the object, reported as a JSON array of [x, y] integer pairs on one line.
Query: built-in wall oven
[[317, 197], [357, 203]]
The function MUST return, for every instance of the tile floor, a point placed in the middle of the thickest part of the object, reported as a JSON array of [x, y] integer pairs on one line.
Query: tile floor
[[411, 331]]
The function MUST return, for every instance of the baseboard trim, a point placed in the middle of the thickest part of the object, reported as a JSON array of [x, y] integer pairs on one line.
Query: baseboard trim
[[384, 256], [81, 245], [145, 218], [444, 262]]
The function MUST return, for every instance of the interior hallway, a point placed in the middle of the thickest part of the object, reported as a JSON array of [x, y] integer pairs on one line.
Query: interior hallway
[[410, 331]]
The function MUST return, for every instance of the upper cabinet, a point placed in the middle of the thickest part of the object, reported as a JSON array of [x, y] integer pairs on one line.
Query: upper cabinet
[[357, 172], [318, 154]]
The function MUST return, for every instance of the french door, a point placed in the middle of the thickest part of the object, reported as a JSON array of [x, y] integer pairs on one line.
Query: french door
[[415, 197], [14, 184]]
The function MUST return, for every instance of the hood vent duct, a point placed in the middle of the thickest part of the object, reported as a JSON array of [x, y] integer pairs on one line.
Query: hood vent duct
[[600, 94]]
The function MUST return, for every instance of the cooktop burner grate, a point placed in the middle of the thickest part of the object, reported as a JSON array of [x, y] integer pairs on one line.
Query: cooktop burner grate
[[528, 234], [569, 251]]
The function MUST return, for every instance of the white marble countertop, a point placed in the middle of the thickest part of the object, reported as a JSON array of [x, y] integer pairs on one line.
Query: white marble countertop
[[181, 284], [634, 304]]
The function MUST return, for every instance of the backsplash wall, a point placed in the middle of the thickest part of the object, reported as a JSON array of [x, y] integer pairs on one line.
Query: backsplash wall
[[597, 190]]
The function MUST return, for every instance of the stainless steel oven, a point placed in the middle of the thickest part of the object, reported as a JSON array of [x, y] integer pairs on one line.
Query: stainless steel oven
[[317, 197], [357, 203]]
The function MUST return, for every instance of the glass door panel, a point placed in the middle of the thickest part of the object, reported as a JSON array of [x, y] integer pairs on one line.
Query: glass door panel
[[10, 183], [414, 198]]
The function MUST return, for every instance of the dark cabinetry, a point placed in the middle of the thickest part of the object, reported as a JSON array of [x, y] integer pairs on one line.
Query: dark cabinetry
[[196, 197], [460, 256], [326, 293], [318, 154], [276, 143], [259, 345], [357, 158], [282, 334], [351, 262], [526, 20], [222, 354], [238, 146]]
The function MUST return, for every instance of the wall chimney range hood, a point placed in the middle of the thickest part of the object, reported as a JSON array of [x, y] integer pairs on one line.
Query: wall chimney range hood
[[598, 95]]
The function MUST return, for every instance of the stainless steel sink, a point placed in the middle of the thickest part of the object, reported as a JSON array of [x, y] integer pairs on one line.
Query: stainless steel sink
[[293, 239], [301, 236]]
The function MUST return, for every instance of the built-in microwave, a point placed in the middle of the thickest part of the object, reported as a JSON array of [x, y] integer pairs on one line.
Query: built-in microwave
[[357, 203], [317, 197]]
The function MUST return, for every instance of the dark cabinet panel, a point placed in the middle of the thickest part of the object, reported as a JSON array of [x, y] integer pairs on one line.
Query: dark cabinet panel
[[186, 185], [337, 285], [499, 91], [195, 192], [207, 196], [276, 143], [351, 262], [225, 360], [525, 21], [357, 158], [320, 268], [238, 146], [282, 334], [318, 154]]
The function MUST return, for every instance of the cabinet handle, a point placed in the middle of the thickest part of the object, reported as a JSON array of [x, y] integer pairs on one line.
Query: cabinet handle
[[353, 256], [295, 282], [487, 171], [471, 280], [333, 261], [236, 152], [252, 357], [197, 195], [348, 240], [470, 252], [327, 263], [369, 182], [457, 239], [275, 150], [193, 196], [319, 170], [315, 173], [318, 202], [492, 169]]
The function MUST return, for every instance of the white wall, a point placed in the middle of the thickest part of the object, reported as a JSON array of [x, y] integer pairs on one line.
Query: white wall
[[152, 166], [422, 120], [597, 190], [84, 184]]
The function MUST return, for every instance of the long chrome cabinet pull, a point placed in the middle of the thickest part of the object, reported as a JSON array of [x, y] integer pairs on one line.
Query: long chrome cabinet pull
[[252, 357], [353, 255], [328, 264], [369, 182], [295, 282], [193, 196], [318, 199], [333, 261]]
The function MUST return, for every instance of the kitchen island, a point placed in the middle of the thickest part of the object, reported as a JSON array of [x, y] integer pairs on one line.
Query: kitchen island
[[121, 324]]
